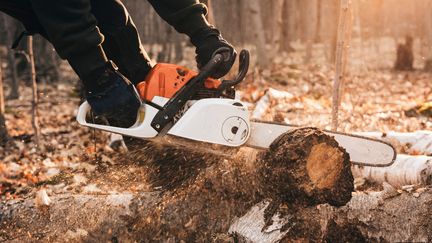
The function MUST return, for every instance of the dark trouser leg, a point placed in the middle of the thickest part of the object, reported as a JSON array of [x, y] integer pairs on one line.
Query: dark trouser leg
[[71, 28], [122, 43]]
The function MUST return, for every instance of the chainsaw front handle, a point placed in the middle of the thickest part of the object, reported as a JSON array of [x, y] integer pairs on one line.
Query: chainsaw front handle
[[243, 70], [214, 63]]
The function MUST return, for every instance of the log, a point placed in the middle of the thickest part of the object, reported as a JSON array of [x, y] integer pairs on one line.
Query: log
[[265, 102], [319, 170], [385, 216], [412, 169], [406, 170], [374, 216], [161, 193], [419, 142]]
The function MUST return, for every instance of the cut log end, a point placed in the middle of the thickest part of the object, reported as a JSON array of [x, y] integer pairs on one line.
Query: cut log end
[[308, 167]]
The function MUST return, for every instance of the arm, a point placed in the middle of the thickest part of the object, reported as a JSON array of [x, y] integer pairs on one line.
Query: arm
[[186, 16]]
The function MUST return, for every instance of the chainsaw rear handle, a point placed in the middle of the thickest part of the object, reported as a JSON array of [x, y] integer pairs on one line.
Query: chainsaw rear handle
[[140, 130]]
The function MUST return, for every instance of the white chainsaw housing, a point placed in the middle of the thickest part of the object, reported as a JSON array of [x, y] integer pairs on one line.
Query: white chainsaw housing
[[218, 121]]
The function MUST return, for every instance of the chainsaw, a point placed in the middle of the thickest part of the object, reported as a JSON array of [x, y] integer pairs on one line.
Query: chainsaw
[[179, 102]]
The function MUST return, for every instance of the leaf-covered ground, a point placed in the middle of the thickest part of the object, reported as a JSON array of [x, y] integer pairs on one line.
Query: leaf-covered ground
[[374, 99]]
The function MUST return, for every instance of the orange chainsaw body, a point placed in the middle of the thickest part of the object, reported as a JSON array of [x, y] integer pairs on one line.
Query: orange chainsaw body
[[165, 80]]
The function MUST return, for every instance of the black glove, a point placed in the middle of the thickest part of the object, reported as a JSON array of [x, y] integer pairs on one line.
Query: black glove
[[113, 97], [209, 42]]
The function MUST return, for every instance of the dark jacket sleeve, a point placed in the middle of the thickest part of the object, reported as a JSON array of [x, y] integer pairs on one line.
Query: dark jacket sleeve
[[186, 16]]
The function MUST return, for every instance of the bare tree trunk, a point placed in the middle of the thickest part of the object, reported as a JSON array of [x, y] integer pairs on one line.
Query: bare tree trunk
[[329, 23], [46, 60], [341, 56], [178, 51], [317, 37], [3, 130], [310, 7], [287, 26], [428, 30], [263, 57], [14, 93], [276, 28], [9, 26], [35, 122]]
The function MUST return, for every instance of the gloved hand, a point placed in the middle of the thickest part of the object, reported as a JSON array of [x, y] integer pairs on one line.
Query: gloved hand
[[113, 97], [209, 42]]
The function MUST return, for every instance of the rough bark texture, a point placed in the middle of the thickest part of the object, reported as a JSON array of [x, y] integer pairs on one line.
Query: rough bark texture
[[174, 194], [96, 217]]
